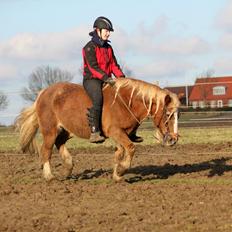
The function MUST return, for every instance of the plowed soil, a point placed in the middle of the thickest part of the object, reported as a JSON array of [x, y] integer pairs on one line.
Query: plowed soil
[[183, 188]]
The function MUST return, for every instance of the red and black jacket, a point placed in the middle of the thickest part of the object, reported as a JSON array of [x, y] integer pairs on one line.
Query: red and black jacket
[[99, 60]]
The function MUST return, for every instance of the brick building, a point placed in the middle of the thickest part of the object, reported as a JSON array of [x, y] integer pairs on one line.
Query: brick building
[[213, 92]]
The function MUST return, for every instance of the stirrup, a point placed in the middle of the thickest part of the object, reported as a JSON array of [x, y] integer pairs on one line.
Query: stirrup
[[136, 139]]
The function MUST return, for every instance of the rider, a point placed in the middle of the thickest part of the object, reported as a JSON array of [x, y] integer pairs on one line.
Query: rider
[[99, 65]]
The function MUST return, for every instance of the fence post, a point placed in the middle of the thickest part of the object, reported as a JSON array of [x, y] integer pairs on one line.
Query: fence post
[[186, 94]]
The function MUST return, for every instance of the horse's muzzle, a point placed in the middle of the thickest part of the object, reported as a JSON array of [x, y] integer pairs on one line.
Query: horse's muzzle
[[170, 139]]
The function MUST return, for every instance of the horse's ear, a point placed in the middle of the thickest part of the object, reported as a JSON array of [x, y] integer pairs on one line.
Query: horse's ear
[[180, 95]]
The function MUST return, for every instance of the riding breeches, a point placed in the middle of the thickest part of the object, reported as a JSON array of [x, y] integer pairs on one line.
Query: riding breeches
[[93, 87]]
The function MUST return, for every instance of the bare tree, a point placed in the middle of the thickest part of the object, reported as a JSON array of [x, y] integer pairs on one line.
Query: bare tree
[[207, 74], [204, 87], [3, 101], [41, 78]]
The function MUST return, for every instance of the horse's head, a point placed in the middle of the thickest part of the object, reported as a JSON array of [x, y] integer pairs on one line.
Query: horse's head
[[165, 117]]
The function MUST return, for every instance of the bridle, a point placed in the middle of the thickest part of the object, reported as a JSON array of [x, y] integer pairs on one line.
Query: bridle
[[168, 136], [170, 114], [176, 115]]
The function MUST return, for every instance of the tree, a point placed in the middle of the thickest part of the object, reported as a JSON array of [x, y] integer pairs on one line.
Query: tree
[[207, 74], [3, 101], [41, 78], [204, 87]]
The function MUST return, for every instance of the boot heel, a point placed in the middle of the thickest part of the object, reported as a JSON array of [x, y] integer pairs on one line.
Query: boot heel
[[96, 138]]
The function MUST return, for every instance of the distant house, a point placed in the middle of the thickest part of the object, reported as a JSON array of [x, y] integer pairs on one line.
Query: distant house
[[213, 92], [183, 91]]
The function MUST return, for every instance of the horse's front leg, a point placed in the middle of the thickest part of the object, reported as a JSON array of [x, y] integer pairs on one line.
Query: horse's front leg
[[123, 155], [118, 157]]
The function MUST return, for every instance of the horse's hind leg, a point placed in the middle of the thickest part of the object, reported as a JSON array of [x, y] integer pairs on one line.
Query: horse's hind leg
[[123, 155], [65, 155], [46, 152]]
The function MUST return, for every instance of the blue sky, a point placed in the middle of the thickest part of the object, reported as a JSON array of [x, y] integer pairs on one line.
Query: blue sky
[[170, 42]]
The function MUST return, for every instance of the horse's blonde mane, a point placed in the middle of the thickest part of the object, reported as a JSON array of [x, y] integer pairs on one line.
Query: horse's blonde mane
[[148, 92]]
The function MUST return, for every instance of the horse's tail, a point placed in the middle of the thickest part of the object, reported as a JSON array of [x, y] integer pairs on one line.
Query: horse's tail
[[27, 125]]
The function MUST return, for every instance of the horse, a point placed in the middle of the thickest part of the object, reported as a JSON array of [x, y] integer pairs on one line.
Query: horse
[[60, 111]]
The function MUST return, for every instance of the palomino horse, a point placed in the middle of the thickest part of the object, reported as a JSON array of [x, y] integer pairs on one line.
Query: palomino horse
[[60, 111]]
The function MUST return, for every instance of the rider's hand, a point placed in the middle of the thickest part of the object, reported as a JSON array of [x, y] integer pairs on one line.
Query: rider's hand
[[110, 81]]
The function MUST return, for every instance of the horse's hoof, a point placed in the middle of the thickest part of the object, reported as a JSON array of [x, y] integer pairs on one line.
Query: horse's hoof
[[49, 178], [67, 172], [117, 178], [120, 170]]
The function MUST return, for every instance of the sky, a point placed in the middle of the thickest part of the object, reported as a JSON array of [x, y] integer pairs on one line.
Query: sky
[[167, 42]]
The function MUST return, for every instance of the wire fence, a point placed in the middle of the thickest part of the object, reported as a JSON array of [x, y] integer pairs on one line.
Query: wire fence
[[226, 108]]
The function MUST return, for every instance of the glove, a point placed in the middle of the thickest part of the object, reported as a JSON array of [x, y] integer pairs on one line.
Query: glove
[[110, 81]]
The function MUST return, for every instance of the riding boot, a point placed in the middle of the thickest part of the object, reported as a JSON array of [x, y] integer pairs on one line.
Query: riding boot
[[134, 138], [94, 117], [95, 136]]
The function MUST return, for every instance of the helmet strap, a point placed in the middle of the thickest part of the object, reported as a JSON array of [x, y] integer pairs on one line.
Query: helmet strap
[[100, 33]]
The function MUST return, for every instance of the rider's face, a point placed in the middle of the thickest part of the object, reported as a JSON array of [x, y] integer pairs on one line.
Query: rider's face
[[104, 34]]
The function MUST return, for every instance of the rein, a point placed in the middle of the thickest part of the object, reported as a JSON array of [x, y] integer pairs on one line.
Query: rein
[[148, 114], [148, 110], [140, 121], [129, 110]]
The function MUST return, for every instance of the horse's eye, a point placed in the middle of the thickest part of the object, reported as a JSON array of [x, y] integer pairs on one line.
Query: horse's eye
[[168, 113]]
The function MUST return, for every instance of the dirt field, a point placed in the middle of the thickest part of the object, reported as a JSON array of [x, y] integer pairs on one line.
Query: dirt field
[[184, 188]]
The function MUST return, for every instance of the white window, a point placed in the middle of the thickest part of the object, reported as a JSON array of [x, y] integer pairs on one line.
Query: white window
[[213, 104], [201, 104], [194, 104], [219, 90], [230, 102], [219, 103]]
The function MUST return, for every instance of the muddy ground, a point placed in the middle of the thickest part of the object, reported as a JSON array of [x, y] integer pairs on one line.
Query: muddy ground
[[184, 188]]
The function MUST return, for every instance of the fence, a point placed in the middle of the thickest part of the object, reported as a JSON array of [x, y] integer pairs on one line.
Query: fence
[[189, 115]]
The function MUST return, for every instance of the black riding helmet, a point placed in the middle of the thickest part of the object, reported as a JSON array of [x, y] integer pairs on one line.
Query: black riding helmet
[[103, 23]]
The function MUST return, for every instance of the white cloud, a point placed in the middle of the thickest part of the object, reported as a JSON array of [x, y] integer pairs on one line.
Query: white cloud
[[7, 71], [225, 41], [159, 27], [224, 18], [223, 65], [144, 46], [183, 46], [164, 69], [50, 46], [21, 54], [143, 42]]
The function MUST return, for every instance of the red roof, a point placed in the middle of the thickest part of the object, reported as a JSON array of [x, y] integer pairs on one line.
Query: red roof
[[203, 88]]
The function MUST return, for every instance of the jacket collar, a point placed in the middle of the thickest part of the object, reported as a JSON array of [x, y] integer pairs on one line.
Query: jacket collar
[[96, 39]]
